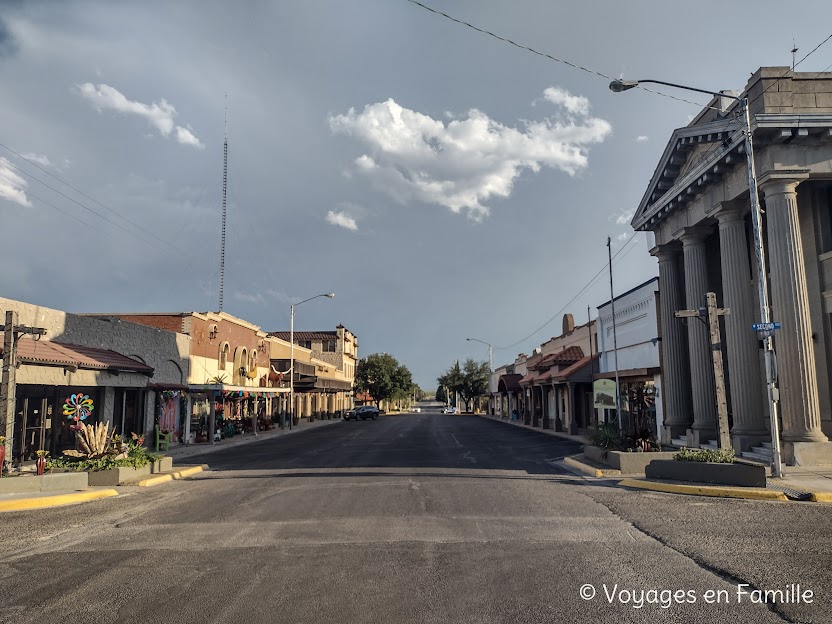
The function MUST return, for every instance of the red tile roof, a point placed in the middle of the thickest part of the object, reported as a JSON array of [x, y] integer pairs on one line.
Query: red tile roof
[[305, 335], [63, 354], [568, 355], [574, 368]]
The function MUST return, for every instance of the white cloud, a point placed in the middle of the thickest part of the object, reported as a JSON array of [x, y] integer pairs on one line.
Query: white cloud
[[642, 138], [250, 297], [471, 159], [159, 115], [341, 219], [625, 217], [12, 186], [575, 104], [37, 158], [622, 237]]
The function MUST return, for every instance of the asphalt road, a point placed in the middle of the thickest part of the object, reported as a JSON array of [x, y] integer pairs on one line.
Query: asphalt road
[[413, 518]]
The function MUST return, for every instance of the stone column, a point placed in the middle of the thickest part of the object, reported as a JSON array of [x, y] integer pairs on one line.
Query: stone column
[[699, 344], [798, 385], [742, 345], [676, 371]]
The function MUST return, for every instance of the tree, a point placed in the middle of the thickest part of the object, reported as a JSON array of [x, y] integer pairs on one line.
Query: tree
[[474, 381], [451, 381], [383, 377], [470, 380], [441, 395]]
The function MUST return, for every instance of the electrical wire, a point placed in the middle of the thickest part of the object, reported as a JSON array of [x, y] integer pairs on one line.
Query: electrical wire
[[572, 300], [64, 182]]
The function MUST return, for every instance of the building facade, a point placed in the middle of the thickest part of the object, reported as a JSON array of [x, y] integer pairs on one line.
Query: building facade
[[632, 348], [697, 206]]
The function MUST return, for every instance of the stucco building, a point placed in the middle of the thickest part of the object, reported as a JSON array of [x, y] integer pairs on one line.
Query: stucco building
[[697, 206]]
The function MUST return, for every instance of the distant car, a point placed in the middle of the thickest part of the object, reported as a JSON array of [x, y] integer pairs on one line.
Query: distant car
[[416, 410], [362, 413], [450, 410]]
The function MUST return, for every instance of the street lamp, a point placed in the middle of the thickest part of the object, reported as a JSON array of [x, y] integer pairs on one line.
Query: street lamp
[[490, 348], [618, 86], [292, 353]]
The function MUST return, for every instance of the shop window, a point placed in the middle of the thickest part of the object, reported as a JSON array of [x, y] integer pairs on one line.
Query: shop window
[[329, 346], [306, 344]]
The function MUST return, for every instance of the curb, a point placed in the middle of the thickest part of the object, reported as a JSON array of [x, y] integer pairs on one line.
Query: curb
[[583, 468], [706, 490], [549, 432], [22, 504], [821, 497], [170, 476]]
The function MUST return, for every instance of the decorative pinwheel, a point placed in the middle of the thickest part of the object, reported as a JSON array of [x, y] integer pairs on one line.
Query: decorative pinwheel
[[77, 407]]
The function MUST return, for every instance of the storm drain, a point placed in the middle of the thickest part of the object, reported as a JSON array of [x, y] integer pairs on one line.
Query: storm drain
[[791, 493]]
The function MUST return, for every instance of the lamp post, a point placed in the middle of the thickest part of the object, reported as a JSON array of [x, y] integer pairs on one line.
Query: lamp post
[[490, 349], [762, 282], [292, 352]]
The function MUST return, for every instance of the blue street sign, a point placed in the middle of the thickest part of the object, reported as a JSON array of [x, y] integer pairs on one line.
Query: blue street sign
[[765, 326]]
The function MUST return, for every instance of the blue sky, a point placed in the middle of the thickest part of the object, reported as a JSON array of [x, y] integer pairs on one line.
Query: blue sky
[[442, 183]]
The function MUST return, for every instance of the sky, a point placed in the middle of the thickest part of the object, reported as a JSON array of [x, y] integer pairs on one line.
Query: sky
[[442, 183]]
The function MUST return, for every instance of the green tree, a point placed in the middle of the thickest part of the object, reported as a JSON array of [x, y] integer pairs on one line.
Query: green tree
[[383, 377], [451, 381], [474, 381], [441, 395]]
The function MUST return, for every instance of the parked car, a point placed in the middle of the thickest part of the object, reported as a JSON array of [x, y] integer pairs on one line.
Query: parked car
[[416, 410], [362, 413], [450, 410]]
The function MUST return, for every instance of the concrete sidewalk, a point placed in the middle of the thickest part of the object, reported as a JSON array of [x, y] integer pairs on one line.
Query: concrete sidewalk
[[183, 451], [557, 434]]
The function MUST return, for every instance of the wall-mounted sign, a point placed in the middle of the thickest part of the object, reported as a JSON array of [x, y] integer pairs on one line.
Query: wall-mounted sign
[[604, 393]]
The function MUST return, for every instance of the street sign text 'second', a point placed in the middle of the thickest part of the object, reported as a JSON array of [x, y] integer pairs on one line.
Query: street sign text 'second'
[[765, 326]]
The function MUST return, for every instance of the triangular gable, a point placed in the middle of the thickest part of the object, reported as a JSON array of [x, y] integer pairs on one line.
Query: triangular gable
[[685, 149]]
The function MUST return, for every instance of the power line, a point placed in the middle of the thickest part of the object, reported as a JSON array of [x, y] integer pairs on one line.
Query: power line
[[64, 182], [568, 303], [43, 201], [98, 214], [546, 55]]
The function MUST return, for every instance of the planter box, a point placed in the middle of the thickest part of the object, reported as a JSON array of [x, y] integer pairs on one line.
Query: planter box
[[117, 476], [625, 461], [743, 475], [50, 482], [162, 465]]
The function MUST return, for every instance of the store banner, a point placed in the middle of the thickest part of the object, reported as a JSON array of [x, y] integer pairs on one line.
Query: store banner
[[604, 393]]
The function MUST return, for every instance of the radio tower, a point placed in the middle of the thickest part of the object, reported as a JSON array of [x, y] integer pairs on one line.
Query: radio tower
[[224, 202]]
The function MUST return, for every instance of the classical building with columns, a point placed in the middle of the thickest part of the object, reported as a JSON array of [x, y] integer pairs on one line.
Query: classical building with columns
[[697, 206]]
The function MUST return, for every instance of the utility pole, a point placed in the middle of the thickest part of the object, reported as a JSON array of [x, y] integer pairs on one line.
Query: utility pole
[[615, 345], [713, 313], [8, 385]]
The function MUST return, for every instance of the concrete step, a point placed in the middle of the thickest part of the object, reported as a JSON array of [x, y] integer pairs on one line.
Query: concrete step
[[766, 445], [761, 457], [681, 442], [712, 445]]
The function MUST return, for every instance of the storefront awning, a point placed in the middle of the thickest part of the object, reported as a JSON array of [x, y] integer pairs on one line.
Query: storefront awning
[[509, 383], [241, 391], [49, 353]]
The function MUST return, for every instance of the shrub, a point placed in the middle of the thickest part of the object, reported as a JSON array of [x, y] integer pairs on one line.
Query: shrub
[[706, 455], [607, 436], [136, 457]]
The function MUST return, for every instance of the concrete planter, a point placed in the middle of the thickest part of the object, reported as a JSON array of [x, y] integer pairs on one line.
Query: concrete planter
[[117, 476], [162, 465], [743, 475], [50, 482], [625, 461]]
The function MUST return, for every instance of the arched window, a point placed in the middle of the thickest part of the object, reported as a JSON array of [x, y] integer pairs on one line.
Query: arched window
[[224, 348]]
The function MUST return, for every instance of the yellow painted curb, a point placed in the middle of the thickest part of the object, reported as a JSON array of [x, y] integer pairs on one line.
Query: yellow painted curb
[[582, 467], [706, 490], [21, 504], [170, 476], [821, 497]]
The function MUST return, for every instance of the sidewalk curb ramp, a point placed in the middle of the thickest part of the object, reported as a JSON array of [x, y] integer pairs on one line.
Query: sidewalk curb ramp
[[170, 476], [705, 490], [55, 500]]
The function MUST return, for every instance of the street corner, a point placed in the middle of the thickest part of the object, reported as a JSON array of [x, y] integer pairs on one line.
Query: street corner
[[174, 475], [24, 503], [704, 490]]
